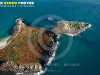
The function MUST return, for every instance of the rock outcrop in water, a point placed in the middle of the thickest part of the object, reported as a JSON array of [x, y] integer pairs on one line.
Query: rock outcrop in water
[[70, 27], [29, 49]]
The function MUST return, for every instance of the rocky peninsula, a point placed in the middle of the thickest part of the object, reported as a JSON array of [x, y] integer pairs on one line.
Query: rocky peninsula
[[29, 49], [72, 28]]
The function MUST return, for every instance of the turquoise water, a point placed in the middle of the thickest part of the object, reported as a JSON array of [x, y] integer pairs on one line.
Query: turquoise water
[[85, 50]]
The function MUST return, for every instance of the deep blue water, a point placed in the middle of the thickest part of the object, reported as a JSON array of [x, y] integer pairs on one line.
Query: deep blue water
[[85, 50]]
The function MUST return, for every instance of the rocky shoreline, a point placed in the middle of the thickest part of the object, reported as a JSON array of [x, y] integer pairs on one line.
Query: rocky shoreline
[[72, 28], [24, 69], [48, 50], [17, 30], [30, 68]]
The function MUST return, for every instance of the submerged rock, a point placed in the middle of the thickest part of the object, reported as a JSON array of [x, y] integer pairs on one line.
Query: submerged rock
[[50, 18]]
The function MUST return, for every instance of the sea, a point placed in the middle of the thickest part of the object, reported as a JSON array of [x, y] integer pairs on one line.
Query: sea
[[78, 55]]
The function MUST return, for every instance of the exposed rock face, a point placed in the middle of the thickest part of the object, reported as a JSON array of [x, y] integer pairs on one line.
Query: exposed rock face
[[50, 18], [69, 27], [19, 57], [24, 69]]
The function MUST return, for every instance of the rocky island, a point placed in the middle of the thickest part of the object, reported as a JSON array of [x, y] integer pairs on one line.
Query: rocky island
[[70, 27], [29, 49]]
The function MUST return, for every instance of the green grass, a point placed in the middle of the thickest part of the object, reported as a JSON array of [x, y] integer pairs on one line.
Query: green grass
[[16, 57], [75, 24]]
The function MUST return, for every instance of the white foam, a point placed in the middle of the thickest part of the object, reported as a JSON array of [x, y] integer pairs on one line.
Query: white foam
[[50, 61], [89, 26], [52, 58], [41, 72], [79, 32], [72, 34], [58, 36], [18, 73]]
